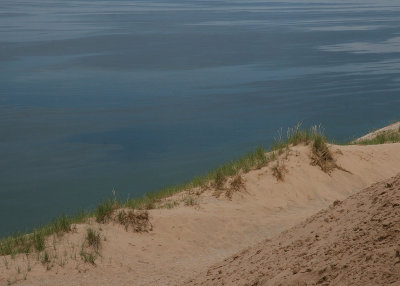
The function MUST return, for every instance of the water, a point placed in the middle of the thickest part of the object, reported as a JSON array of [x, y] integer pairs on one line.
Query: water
[[136, 95]]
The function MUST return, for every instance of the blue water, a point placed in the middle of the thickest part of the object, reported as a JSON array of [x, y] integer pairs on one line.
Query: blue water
[[137, 95]]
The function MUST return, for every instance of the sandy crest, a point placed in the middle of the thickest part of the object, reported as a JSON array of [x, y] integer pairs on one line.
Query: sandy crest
[[186, 240]]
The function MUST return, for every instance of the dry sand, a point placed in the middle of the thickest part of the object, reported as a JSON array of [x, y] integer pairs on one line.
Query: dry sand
[[187, 240], [354, 242]]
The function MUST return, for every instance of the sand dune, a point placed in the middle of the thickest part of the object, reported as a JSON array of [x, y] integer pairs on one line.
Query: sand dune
[[187, 240], [354, 242]]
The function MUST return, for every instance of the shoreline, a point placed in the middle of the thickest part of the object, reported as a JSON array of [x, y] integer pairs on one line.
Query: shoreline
[[148, 198], [257, 196]]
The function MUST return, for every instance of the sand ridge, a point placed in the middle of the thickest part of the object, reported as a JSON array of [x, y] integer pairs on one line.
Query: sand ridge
[[353, 242], [390, 128], [186, 240]]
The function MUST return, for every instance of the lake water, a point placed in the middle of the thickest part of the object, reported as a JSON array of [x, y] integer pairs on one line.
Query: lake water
[[137, 95]]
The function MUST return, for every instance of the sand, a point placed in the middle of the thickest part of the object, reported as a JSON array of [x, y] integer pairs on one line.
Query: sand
[[188, 240], [353, 242]]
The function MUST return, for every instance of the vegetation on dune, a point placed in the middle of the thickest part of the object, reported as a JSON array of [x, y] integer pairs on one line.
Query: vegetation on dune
[[235, 185], [138, 221], [93, 238], [104, 210], [190, 201], [321, 155], [36, 240], [390, 136], [260, 157], [218, 178], [91, 246], [279, 170]]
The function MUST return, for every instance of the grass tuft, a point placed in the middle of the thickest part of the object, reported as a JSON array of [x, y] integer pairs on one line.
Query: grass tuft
[[321, 155], [138, 221], [91, 246], [88, 257], [219, 179], [279, 170], [45, 258], [105, 210], [93, 238], [62, 224], [190, 201], [236, 185], [39, 241]]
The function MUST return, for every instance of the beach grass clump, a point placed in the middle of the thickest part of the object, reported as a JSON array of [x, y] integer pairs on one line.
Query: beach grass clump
[[236, 185], [219, 179], [46, 258], [297, 135], [321, 155], [39, 241], [62, 224], [190, 201], [88, 257], [93, 238], [279, 171], [294, 136], [104, 210], [138, 221], [90, 246], [257, 159]]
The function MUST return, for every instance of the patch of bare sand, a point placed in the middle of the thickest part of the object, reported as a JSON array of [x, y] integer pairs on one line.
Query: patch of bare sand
[[186, 240], [353, 242]]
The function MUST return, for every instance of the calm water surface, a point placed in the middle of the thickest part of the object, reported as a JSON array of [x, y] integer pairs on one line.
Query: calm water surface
[[137, 95]]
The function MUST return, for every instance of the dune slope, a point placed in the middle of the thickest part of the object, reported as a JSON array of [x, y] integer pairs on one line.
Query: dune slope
[[353, 242]]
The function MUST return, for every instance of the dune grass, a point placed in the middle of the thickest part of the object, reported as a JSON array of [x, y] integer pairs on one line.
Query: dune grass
[[278, 171], [93, 238], [260, 157], [104, 210], [321, 155], [392, 136], [36, 239]]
